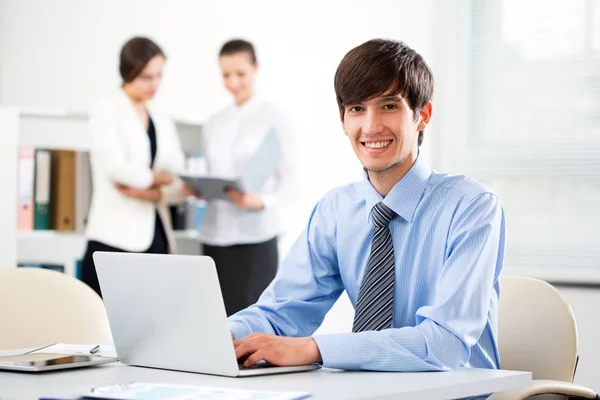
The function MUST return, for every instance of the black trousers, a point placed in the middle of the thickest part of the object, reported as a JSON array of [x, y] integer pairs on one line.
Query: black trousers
[[244, 271], [159, 245]]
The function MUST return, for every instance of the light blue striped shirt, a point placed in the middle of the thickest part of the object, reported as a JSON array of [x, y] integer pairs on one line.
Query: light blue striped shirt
[[448, 238]]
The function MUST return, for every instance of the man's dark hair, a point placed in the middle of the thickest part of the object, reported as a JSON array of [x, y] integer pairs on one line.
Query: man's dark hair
[[135, 54], [236, 46], [383, 67]]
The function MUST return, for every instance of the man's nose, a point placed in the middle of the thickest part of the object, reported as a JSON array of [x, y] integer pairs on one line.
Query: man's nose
[[372, 123]]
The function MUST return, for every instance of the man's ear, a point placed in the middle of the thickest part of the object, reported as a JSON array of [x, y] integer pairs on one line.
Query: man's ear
[[424, 116], [343, 124]]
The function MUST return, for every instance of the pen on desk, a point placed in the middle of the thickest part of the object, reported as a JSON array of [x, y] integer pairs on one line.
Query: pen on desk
[[95, 350]]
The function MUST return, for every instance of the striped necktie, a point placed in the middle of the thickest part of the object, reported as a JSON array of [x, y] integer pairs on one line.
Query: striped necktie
[[376, 296]]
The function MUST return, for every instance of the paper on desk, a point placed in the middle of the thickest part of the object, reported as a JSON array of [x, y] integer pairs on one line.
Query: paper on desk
[[64, 348], [151, 391]]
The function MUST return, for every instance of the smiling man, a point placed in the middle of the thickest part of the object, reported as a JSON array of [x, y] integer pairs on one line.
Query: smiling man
[[418, 252]]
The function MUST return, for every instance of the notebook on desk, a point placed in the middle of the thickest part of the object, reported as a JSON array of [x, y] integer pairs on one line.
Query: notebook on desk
[[41, 362], [151, 391], [257, 170]]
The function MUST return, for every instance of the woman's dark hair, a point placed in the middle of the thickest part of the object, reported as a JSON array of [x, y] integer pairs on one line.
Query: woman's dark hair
[[236, 46], [135, 54], [379, 67]]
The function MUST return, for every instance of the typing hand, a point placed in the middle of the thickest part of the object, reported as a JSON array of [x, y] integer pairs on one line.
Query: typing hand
[[246, 200], [152, 194], [276, 350]]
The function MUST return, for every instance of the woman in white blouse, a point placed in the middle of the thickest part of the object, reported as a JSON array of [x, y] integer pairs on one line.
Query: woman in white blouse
[[135, 158], [240, 234]]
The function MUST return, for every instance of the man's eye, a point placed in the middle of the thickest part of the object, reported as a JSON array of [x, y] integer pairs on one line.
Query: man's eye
[[390, 107], [356, 109]]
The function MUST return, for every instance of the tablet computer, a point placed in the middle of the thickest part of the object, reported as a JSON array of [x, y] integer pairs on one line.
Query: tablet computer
[[39, 362], [210, 188]]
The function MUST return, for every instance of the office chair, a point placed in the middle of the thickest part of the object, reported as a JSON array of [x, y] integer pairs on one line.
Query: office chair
[[538, 333], [39, 307]]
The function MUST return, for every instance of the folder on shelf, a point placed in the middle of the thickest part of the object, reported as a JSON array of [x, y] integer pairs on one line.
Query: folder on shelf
[[257, 170], [41, 217], [62, 202], [83, 190], [25, 188]]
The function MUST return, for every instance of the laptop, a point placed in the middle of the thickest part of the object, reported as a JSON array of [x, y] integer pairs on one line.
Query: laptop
[[167, 312]]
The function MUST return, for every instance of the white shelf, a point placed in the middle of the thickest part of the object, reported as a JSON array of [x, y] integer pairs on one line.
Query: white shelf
[[50, 129], [65, 248], [52, 132], [189, 234], [56, 129], [59, 236], [50, 247]]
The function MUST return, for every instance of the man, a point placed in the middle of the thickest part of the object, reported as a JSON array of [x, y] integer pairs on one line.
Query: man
[[418, 252]]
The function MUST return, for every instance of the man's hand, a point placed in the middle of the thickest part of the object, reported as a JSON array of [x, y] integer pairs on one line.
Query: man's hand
[[247, 201], [277, 350], [152, 194]]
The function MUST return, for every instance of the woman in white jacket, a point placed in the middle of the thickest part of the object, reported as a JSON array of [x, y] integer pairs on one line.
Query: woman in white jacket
[[135, 158]]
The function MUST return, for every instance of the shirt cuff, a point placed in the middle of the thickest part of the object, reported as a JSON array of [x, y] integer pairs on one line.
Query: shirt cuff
[[268, 200], [238, 329], [340, 351]]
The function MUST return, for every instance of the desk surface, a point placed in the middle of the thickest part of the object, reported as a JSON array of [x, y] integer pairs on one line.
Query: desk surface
[[322, 384]]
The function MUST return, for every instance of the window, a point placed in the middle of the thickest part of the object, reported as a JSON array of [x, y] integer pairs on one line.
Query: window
[[531, 124]]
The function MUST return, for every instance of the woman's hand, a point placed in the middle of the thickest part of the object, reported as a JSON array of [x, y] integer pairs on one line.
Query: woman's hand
[[188, 191], [247, 201], [152, 194], [162, 178]]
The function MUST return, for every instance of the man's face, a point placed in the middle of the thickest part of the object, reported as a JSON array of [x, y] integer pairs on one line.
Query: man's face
[[384, 131]]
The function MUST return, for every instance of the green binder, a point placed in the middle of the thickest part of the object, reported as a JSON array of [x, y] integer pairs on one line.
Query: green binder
[[41, 215]]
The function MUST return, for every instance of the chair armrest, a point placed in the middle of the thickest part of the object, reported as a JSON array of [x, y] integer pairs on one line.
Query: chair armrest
[[543, 386]]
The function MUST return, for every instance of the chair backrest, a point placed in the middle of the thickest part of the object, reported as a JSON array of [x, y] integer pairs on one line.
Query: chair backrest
[[40, 307], [537, 329]]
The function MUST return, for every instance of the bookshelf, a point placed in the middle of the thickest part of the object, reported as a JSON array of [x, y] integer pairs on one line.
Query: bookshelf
[[55, 130]]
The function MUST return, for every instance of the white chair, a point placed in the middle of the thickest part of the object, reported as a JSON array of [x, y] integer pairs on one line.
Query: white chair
[[39, 307], [538, 333]]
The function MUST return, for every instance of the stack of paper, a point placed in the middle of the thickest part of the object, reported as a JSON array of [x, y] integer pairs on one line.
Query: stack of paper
[[150, 391], [85, 349]]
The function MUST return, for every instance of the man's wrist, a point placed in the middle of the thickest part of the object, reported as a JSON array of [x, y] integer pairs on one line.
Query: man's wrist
[[316, 352]]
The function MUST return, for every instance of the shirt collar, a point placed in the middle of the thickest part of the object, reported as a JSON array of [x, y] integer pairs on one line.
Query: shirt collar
[[405, 195], [248, 106]]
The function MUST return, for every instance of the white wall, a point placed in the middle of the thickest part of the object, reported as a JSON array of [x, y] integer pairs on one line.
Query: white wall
[[64, 54]]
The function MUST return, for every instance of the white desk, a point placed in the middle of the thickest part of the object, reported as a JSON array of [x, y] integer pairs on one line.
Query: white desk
[[323, 384]]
